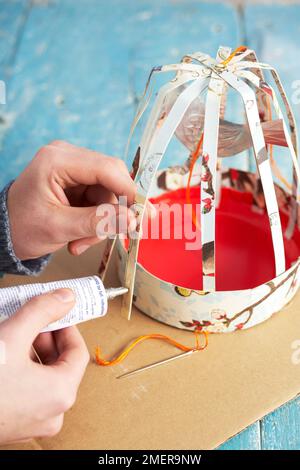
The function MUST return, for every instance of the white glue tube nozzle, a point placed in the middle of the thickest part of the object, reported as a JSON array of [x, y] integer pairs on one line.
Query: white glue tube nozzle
[[112, 292]]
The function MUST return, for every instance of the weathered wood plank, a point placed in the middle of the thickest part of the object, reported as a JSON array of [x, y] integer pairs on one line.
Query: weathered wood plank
[[13, 15], [81, 64], [281, 429], [70, 82], [249, 439]]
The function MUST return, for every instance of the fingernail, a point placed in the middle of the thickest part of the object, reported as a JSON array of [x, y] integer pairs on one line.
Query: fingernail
[[81, 249], [64, 295]]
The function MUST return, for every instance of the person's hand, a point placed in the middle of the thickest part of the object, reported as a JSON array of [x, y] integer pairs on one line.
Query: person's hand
[[57, 199], [34, 396]]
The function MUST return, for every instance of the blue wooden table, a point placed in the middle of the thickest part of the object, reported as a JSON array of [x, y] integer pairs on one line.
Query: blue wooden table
[[75, 70]]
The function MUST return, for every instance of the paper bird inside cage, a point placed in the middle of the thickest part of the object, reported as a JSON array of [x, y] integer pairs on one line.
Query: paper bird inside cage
[[245, 266]]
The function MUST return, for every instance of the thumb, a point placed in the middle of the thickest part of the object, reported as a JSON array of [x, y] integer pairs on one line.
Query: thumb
[[38, 312]]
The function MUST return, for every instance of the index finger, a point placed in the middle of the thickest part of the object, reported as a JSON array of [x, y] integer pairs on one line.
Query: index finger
[[78, 165]]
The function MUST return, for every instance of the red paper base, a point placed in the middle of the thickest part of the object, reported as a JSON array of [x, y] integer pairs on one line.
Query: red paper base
[[244, 252]]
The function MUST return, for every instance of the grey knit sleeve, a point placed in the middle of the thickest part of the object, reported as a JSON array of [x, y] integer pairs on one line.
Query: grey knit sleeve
[[9, 263]]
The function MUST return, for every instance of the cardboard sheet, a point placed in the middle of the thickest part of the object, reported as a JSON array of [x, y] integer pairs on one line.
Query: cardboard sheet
[[193, 403]]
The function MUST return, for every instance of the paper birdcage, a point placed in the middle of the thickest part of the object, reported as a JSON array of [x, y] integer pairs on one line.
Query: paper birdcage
[[246, 267]]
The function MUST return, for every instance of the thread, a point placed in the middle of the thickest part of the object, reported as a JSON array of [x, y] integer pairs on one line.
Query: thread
[[236, 51], [103, 362]]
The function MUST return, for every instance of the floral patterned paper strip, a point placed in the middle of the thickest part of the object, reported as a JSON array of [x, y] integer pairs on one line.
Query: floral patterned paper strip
[[223, 54], [251, 56], [188, 70], [156, 112], [292, 123], [263, 163], [290, 139], [208, 177], [146, 175]]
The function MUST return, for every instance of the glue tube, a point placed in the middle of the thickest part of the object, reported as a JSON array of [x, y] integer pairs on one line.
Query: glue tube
[[91, 299]]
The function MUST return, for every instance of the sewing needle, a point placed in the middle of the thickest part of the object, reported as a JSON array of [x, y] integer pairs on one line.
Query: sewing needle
[[156, 364]]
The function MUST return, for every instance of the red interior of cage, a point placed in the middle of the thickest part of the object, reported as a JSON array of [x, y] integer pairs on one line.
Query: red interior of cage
[[244, 251]]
